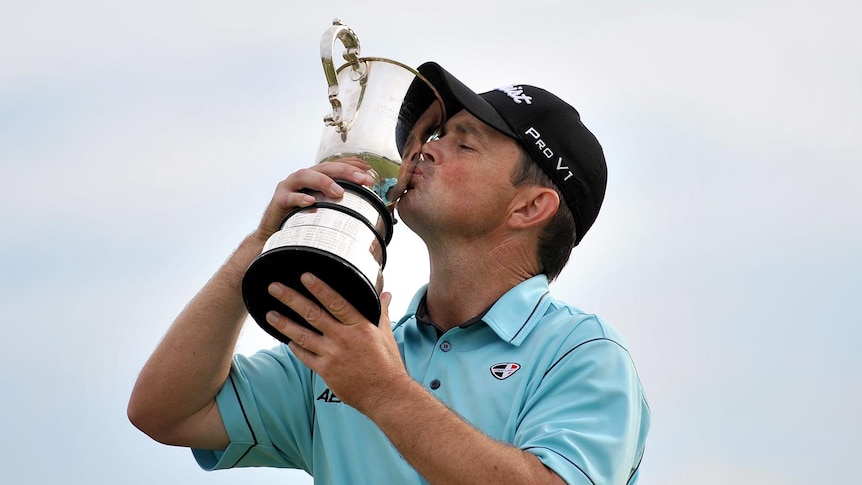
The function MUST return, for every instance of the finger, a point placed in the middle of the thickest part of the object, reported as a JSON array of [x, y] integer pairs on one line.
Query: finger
[[385, 322], [350, 169], [296, 333], [309, 310], [310, 359], [316, 180], [334, 303], [292, 192], [353, 161], [283, 201]]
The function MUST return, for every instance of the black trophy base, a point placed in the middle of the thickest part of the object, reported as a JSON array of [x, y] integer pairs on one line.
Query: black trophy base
[[285, 265]]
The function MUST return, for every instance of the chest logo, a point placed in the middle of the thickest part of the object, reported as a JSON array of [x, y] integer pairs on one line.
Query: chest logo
[[504, 370]]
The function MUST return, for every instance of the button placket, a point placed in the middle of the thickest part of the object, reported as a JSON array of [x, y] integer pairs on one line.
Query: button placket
[[444, 347]]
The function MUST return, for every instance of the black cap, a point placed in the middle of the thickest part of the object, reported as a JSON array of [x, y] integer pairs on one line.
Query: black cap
[[548, 128]]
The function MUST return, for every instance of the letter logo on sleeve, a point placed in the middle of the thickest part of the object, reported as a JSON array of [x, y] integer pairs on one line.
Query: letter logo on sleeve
[[328, 396], [504, 370]]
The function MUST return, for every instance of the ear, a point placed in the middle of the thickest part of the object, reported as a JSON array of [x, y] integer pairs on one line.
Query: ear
[[534, 207]]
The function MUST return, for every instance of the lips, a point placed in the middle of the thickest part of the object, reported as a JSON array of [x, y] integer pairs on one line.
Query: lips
[[412, 174], [417, 176]]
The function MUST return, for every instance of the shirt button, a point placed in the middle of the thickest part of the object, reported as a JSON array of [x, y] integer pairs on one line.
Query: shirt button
[[445, 346], [435, 384]]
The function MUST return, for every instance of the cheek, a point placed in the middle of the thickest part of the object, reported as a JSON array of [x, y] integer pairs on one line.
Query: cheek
[[461, 174]]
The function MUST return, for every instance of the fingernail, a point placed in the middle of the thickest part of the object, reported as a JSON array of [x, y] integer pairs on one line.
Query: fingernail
[[363, 178], [275, 289], [336, 189], [307, 279], [272, 317]]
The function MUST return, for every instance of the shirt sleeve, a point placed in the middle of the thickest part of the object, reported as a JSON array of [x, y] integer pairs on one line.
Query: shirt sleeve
[[585, 419], [267, 410]]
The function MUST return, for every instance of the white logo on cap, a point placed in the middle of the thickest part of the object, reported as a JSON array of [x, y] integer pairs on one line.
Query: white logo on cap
[[548, 152], [516, 93]]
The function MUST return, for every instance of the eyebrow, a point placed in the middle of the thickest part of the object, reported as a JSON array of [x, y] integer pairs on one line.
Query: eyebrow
[[469, 129]]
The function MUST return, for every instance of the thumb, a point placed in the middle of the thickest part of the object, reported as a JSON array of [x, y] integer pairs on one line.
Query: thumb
[[385, 321]]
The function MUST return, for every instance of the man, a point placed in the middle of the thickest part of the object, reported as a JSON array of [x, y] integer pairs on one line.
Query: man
[[486, 379]]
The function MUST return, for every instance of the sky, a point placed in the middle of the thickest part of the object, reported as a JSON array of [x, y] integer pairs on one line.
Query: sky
[[140, 141]]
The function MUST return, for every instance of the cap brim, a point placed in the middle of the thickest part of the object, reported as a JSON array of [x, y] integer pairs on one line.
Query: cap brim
[[457, 96]]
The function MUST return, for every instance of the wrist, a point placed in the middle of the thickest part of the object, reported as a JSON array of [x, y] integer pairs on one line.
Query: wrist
[[238, 262], [257, 238], [392, 399]]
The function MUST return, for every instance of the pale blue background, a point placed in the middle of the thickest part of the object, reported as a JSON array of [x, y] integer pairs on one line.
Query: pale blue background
[[141, 140]]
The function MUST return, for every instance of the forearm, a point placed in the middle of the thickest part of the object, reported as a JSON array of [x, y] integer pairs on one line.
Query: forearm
[[444, 448], [192, 361]]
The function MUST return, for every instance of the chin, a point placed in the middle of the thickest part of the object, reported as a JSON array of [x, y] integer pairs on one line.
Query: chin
[[406, 211]]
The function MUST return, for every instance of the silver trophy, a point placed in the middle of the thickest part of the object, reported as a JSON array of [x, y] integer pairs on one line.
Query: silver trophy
[[343, 241]]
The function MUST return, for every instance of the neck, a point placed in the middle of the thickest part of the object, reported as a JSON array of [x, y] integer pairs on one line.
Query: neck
[[466, 279]]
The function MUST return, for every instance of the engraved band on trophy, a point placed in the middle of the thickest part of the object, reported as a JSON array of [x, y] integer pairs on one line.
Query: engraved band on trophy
[[343, 241]]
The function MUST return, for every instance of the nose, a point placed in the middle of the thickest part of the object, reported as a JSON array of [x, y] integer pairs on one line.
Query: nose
[[428, 149], [425, 155]]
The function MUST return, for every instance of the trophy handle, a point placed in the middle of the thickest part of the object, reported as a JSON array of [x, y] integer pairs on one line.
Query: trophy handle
[[345, 34]]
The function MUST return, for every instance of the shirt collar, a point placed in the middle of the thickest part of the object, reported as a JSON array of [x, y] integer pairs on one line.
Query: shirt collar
[[513, 316]]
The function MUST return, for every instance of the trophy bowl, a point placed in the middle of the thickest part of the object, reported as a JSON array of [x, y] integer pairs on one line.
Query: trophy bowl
[[343, 241]]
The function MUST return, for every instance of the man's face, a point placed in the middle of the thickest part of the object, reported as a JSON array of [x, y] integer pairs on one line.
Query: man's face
[[461, 185]]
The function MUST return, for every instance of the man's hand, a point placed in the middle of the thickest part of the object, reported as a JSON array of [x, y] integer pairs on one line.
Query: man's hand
[[358, 360], [291, 192]]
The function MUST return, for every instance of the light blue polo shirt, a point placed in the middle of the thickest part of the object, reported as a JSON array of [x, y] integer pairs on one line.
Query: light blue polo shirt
[[534, 372]]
